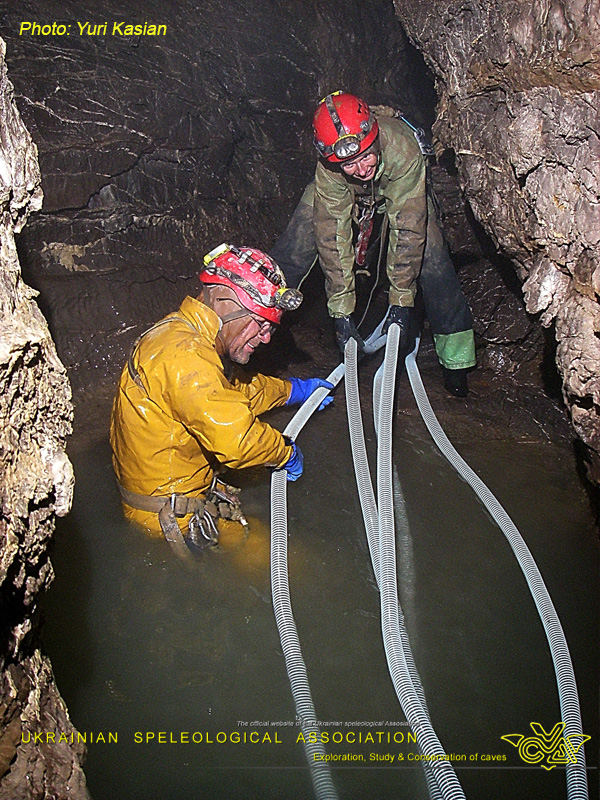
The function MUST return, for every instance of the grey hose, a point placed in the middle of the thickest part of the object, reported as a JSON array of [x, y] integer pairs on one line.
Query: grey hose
[[359, 456], [441, 778], [577, 788], [290, 644], [371, 517], [402, 523]]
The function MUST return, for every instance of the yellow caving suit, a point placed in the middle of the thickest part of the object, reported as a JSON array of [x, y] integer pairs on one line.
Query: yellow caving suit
[[188, 419]]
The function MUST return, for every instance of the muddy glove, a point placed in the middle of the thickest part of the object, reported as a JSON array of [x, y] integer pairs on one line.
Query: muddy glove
[[346, 329], [294, 464], [302, 390], [404, 316]]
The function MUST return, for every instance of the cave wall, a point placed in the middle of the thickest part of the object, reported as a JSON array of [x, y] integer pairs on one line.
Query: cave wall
[[153, 150], [520, 107], [36, 481]]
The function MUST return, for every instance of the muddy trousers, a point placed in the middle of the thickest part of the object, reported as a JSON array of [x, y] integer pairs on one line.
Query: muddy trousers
[[446, 307]]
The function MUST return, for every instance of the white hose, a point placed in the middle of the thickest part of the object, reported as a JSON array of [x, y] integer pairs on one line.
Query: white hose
[[402, 523], [290, 644], [401, 665], [379, 523], [577, 788]]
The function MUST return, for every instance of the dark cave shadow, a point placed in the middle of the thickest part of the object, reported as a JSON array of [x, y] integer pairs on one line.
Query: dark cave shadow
[[65, 603], [66, 632], [503, 265], [285, 348], [592, 491], [506, 269], [548, 371]]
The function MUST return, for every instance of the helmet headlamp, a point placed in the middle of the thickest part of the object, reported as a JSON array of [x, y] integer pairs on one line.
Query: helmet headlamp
[[258, 277], [288, 299], [347, 146], [344, 127]]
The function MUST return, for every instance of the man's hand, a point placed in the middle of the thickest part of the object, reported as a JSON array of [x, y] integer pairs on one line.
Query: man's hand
[[302, 390], [346, 329], [404, 317], [295, 463]]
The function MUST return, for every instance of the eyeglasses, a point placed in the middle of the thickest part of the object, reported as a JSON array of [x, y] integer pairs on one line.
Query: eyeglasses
[[264, 326]]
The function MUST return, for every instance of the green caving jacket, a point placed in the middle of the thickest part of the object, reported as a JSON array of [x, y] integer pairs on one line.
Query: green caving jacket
[[400, 181]]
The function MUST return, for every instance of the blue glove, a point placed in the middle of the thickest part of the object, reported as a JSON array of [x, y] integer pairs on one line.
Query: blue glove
[[294, 464], [302, 390]]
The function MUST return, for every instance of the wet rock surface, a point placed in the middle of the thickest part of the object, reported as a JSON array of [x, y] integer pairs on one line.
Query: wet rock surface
[[153, 150], [45, 766], [37, 484], [510, 340], [519, 99]]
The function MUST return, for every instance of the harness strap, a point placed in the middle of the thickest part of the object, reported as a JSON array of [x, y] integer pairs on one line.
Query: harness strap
[[172, 533], [180, 504], [168, 508]]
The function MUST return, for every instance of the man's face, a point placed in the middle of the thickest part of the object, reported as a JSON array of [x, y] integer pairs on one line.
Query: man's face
[[243, 332], [242, 336], [363, 167]]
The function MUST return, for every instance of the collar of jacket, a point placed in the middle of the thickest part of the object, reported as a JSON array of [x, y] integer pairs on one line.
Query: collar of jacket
[[201, 317]]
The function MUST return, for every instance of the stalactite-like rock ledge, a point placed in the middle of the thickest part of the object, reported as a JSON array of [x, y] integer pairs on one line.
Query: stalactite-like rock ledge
[[37, 483], [520, 107]]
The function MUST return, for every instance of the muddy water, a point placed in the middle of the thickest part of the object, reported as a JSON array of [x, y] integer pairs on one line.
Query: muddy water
[[141, 646]]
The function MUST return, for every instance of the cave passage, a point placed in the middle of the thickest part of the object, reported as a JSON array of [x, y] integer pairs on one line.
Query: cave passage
[[151, 154]]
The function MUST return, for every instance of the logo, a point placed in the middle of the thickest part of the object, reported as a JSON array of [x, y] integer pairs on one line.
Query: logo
[[554, 747]]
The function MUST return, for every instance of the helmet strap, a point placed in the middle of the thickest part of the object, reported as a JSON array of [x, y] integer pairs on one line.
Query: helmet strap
[[234, 315], [239, 312], [211, 292]]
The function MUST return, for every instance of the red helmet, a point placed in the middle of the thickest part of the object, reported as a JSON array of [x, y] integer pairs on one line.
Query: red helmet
[[254, 277], [344, 127]]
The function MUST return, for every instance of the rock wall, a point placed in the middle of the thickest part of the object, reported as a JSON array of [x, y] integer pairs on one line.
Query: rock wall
[[519, 104], [153, 150], [36, 483]]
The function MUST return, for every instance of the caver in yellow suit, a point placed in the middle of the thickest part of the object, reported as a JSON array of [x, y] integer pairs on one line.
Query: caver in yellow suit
[[183, 410], [177, 418]]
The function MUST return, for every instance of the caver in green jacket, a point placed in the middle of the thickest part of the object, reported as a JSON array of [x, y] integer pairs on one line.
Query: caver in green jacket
[[400, 182]]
